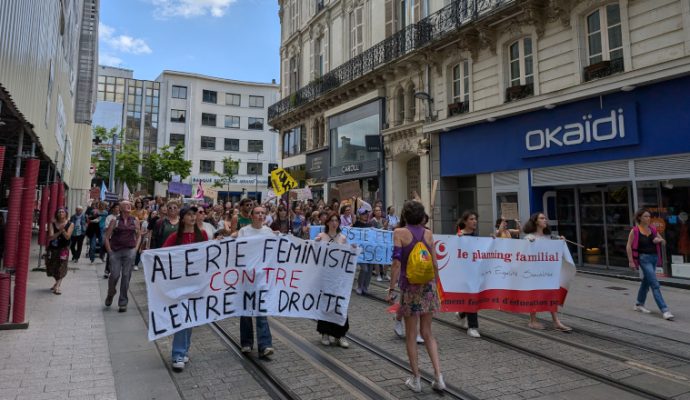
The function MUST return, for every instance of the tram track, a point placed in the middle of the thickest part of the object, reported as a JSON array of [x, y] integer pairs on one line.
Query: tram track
[[560, 362]]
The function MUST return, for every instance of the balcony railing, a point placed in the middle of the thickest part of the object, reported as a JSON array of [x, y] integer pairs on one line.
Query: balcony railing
[[519, 92], [603, 69], [411, 38]]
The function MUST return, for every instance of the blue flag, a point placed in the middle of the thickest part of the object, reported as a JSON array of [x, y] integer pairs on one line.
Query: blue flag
[[103, 190]]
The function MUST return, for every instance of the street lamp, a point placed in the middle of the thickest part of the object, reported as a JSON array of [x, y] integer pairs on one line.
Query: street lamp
[[256, 175]]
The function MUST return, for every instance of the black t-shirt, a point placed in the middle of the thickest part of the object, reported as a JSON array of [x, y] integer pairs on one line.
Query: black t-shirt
[[360, 224], [645, 244]]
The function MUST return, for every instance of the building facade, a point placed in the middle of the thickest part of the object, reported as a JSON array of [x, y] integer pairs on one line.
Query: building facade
[[48, 60], [130, 104], [574, 108], [215, 118]]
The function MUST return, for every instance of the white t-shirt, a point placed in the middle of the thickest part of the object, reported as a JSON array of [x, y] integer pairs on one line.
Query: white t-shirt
[[249, 230], [210, 230]]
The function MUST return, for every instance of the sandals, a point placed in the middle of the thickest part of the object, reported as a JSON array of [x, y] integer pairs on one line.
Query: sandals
[[563, 328], [57, 291]]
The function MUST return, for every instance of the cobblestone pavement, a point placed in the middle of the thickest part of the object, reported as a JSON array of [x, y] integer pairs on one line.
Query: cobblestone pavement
[[73, 344]]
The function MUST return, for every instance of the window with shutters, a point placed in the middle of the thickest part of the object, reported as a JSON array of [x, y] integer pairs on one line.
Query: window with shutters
[[294, 16], [318, 57], [604, 37], [294, 75], [356, 31]]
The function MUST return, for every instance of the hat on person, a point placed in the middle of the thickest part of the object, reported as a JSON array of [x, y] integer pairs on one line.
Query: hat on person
[[362, 211], [184, 210]]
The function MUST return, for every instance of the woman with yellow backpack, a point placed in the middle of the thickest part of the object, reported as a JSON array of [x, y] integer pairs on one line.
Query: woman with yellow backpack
[[415, 270]]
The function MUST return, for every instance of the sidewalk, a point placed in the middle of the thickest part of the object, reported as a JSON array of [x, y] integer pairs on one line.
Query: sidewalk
[[630, 275], [75, 348]]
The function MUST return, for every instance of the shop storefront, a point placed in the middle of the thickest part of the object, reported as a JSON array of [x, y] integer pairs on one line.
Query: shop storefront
[[317, 166], [350, 160], [589, 165]]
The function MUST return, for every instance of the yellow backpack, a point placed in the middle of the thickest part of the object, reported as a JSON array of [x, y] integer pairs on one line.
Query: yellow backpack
[[420, 267]]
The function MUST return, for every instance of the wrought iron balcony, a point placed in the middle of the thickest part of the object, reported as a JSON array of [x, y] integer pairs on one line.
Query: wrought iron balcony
[[603, 69], [457, 108], [519, 92], [413, 37]]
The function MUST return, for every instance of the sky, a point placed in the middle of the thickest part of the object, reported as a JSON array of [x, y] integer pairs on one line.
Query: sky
[[233, 39]]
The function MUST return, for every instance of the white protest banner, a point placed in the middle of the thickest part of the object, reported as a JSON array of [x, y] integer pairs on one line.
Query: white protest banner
[[198, 283], [504, 274], [376, 244]]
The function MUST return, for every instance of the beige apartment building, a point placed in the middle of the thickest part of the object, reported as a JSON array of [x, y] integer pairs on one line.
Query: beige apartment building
[[573, 108]]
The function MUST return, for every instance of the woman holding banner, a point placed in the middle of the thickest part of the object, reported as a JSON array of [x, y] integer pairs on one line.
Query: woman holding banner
[[467, 226], [187, 232], [416, 300], [538, 228], [331, 332]]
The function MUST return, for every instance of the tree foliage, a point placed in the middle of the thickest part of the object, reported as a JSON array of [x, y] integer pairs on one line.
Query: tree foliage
[[166, 162], [127, 158], [230, 168]]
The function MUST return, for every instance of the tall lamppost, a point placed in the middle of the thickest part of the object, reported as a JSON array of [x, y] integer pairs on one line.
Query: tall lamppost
[[256, 175]]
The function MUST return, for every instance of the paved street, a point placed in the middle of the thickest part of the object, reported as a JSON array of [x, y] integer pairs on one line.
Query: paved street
[[75, 348]]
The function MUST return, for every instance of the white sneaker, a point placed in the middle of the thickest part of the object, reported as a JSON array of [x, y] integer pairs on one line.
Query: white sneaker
[[641, 309], [414, 383], [463, 320], [178, 365], [438, 383], [379, 279], [136, 268], [399, 330], [267, 351], [473, 332], [185, 359], [668, 316], [342, 342], [246, 349], [420, 339], [325, 340]]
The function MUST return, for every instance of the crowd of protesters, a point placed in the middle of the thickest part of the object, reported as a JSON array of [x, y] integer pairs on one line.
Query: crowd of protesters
[[117, 233]]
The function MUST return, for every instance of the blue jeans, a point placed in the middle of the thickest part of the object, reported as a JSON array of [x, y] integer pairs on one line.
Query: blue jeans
[[648, 268], [96, 238], [180, 344], [263, 333]]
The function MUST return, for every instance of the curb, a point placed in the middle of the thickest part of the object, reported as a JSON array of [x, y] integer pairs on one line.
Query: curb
[[678, 285]]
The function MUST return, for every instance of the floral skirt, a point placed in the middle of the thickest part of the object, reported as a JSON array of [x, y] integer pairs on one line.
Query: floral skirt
[[419, 299], [57, 261]]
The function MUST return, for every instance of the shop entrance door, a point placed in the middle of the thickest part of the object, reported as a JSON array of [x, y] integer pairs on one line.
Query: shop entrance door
[[602, 222]]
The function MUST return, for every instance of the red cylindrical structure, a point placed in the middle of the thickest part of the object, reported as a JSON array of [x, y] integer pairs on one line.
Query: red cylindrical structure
[[31, 168], [61, 194], [43, 216], [52, 203], [4, 297], [12, 225], [2, 160]]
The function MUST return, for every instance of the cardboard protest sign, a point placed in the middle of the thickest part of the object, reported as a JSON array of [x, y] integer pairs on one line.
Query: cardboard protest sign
[[509, 211], [349, 190], [503, 274], [198, 283], [376, 244], [301, 194], [282, 181]]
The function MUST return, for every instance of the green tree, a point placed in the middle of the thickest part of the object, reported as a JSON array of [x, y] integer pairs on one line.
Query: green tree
[[230, 168], [166, 162], [127, 158], [127, 166]]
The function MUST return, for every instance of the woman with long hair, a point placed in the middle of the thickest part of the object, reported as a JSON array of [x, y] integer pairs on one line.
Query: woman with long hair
[[331, 332], [416, 300], [538, 228], [281, 223], [187, 232], [467, 226], [502, 231], [59, 234], [644, 252]]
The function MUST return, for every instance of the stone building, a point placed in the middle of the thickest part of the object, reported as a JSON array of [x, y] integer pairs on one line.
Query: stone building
[[573, 108]]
